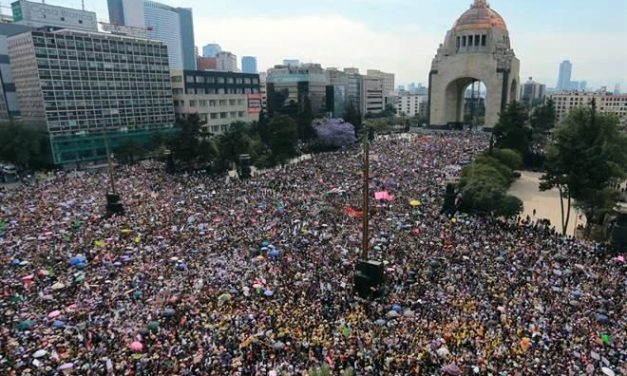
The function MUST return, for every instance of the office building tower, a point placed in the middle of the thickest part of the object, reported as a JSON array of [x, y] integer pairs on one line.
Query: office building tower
[[249, 64], [172, 26], [617, 89], [388, 84], [295, 83], [39, 15], [218, 98], [532, 93], [565, 74], [372, 95], [226, 62], [88, 90], [9, 107], [211, 50]]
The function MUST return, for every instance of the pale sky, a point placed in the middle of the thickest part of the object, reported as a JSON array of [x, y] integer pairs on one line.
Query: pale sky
[[402, 36]]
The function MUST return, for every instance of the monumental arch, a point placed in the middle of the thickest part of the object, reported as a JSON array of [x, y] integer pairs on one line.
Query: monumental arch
[[477, 48]]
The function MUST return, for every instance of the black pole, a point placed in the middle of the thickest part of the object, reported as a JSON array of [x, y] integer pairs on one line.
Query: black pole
[[366, 195]]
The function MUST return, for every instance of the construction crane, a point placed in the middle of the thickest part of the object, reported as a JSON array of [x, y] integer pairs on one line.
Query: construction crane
[[134, 31]]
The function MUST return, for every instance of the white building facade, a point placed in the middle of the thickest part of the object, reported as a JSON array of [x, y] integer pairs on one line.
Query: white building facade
[[410, 105], [605, 103]]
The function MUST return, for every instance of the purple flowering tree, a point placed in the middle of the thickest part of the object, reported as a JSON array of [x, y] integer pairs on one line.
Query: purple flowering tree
[[335, 132]]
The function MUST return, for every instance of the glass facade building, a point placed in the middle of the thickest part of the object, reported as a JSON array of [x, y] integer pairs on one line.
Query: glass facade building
[[249, 64], [172, 26], [84, 88]]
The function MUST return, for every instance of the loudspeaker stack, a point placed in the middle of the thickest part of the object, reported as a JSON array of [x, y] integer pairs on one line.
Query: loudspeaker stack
[[369, 278], [114, 206]]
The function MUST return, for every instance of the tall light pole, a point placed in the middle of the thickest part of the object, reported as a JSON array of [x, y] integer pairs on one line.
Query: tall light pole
[[114, 205], [366, 196]]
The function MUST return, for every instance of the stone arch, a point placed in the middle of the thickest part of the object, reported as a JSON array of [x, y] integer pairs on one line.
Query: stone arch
[[452, 99]]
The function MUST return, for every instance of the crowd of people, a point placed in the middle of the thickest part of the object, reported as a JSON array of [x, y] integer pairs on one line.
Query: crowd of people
[[214, 276]]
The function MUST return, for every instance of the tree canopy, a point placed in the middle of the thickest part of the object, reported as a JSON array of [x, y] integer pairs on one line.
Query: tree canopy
[[588, 152], [512, 132], [24, 145]]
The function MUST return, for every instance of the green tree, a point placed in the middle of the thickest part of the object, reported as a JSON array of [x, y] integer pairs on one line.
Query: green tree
[[304, 120], [508, 157], [190, 146], [587, 153], [511, 132], [509, 207], [353, 116], [543, 118], [234, 142], [283, 138], [130, 151], [24, 145]]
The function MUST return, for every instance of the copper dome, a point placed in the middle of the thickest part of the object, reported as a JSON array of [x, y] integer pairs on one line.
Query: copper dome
[[480, 16]]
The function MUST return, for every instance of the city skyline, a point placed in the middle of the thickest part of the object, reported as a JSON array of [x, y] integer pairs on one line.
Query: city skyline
[[394, 36]]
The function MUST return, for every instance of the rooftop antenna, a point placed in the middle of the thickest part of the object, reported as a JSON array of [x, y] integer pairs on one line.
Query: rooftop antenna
[[83, 4]]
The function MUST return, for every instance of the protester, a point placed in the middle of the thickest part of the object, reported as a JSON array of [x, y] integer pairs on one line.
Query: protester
[[211, 277]]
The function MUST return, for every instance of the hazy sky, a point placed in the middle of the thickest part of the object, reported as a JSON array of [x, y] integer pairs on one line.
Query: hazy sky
[[402, 36]]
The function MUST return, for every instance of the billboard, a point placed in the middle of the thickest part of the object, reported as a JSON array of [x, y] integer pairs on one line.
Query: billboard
[[254, 103]]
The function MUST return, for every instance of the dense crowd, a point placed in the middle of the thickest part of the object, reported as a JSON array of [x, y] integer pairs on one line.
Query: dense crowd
[[213, 276]]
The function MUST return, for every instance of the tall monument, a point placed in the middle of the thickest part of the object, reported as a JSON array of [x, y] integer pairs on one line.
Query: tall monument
[[477, 48]]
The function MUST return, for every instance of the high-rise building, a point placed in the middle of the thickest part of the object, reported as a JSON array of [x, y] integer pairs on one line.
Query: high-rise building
[[226, 61], [172, 26], [249, 64], [9, 107], [372, 95], [218, 98], [565, 74], [617, 89], [88, 90], [211, 50], [39, 15], [388, 80], [295, 83], [532, 92]]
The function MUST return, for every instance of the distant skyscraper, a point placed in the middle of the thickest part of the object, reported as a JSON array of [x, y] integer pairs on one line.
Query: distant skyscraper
[[532, 93], [172, 26], [617, 89], [249, 64], [566, 71], [226, 61], [211, 50]]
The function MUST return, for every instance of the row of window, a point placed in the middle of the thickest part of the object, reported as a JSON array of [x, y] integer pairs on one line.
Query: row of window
[[97, 56], [474, 40], [218, 80], [238, 90], [213, 103], [84, 66], [67, 42], [156, 105], [139, 122], [53, 74]]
